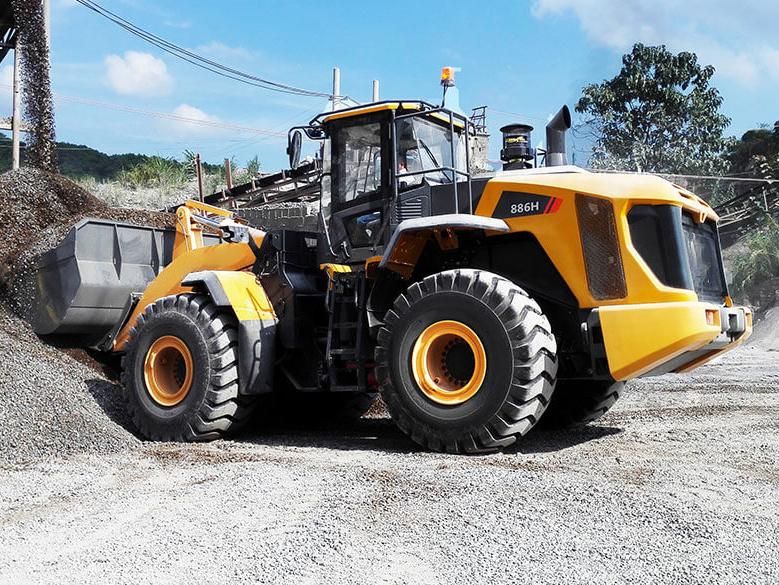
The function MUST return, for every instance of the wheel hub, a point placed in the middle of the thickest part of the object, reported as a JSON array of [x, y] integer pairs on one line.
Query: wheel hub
[[167, 371], [449, 362]]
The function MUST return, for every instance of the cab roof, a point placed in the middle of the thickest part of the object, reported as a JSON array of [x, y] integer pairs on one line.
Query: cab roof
[[385, 106]]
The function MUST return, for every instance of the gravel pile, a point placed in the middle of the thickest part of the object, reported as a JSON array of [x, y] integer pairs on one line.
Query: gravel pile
[[38, 210], [766, 335], [50, 403]]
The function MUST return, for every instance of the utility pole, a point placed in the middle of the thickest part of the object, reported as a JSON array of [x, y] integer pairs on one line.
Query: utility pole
[[229, 174], [199, 174], [336, 88], [16, 124], [375, 90]]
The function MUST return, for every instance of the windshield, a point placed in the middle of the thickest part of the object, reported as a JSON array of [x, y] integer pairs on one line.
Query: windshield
[[705, 264], [425, 147]]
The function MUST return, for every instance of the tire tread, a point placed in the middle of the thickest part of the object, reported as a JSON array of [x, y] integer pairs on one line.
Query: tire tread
[[535, 362], [223, 409]]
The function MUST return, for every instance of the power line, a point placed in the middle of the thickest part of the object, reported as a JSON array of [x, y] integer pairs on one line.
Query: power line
[[24, 146], [697, 177], [167, 116], [196, 59], [251, 141], [492, 110]]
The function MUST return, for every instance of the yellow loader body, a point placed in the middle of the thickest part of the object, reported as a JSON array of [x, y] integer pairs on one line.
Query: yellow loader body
[[648, 323]]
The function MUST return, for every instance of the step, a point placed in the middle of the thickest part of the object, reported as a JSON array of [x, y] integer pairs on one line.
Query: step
[[343, 351]]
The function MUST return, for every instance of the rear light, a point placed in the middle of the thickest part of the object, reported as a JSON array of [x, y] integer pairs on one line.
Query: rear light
[[712, 317]]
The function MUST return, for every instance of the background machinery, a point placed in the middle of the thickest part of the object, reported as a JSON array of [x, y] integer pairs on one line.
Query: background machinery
[[477, 306]]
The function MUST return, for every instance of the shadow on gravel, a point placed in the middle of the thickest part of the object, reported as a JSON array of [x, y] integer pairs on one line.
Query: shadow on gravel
[[109, 397], [374, 434], [381, 434], [106, 364], [548, 440]]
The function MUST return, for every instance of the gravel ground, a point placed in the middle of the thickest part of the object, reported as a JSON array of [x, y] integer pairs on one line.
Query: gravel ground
[[679, 484]]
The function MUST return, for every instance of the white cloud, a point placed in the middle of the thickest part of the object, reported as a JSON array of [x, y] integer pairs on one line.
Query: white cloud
[[770, 59], [193, 113], [729, 35], [191, 121], [139, 74]]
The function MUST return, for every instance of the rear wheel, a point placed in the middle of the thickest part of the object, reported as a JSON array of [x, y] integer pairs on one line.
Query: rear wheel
[[581, 402], [466, 361], [180, 371]]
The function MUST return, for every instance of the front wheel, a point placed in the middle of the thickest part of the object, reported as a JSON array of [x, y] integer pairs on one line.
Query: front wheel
[[180, 372], [466, 361]]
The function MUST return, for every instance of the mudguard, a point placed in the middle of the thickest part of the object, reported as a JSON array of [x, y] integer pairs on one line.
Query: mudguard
[[410, 237], [243, 295]]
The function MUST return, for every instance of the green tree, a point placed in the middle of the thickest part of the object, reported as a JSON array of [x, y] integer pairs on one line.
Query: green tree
[[759, 263], [155, 171], [757, 153], [658, 114], [253, 166]]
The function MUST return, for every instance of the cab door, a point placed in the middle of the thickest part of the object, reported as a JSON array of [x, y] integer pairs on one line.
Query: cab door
[[360, 184]]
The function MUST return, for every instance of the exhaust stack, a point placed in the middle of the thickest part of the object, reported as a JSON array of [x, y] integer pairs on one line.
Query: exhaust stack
[[555, 138]]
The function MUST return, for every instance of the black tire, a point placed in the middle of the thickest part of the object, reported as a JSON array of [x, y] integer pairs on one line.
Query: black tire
[[212, 407], [580, 402], [520, 371]]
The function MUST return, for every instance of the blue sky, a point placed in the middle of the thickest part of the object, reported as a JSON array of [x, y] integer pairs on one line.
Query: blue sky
[[523, 58]]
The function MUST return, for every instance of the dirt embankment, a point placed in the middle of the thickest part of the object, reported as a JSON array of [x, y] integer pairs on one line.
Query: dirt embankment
[[50, 403]]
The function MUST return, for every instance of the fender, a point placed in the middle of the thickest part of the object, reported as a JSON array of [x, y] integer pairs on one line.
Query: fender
[[411, 235], [240, 293]]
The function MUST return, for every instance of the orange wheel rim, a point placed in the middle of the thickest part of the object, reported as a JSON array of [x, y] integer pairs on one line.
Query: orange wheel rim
[[167, 370], [449, 362]]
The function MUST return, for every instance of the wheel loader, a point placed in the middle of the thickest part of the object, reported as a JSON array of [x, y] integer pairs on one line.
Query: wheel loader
[[476, 306]]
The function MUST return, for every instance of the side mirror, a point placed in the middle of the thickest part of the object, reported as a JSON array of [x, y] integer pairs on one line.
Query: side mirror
[[294, 145]]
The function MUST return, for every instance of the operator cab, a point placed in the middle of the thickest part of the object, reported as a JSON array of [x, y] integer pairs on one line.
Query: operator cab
[[388, 161]]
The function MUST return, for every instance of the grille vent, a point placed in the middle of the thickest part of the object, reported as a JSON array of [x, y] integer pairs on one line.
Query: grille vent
[[602, 258], [409, 209]]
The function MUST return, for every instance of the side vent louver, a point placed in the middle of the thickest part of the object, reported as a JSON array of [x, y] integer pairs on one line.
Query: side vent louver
[[409, 209], [602, 257]]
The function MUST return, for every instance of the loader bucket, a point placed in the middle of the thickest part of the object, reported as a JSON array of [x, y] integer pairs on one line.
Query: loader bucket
[[83, 285]]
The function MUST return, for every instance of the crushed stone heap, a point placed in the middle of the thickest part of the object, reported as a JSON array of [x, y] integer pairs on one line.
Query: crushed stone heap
[[50, 403]]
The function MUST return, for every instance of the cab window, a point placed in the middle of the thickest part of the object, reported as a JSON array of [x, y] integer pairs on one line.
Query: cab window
[[358, 161], [424, 147]]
